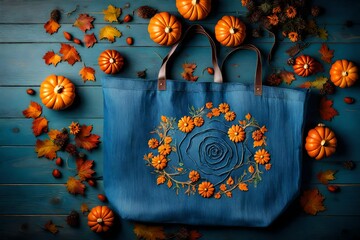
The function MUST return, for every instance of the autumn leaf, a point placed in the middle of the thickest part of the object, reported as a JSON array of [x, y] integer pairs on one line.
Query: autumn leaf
[[287, 77], [69, 53], [111, 14], [89, 40], [53, 133], [318, 83], [75, 186], [34, 110], [84, 22], [149, 232], [326, 53], [84, 168], [85, 139], [327, 112], [39, 126], [322, 33], [109, 33], [87, 74], [84, 208], [194, 235], [46, 148], [189, 69], [51, 58], [51, 227], [326, 176], [51, 26], [312, 201]]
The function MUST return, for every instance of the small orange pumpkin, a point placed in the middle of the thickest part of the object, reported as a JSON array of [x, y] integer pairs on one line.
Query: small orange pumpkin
[[320, 142], [305, 66], [230, 31], [57, 92], [164, 29], [343, 73], [110, 61], [194, 9], [101, 219]]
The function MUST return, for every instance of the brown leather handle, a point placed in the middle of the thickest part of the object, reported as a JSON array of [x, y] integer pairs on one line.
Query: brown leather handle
[[258, 73], [192, 29]]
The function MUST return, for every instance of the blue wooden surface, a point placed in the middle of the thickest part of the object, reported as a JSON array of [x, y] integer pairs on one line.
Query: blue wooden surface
[[30, 196]]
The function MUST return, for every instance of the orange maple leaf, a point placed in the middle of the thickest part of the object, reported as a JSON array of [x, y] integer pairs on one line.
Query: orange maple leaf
[[75, 186], [51, 227], [85, 139], [51, 26], [87, 74], [84, 22], [34, 110], [327, 112], [46, 148], [90, 40], [84, 168], [189, 69], [149, 232], [52, 58], [39, 126], [326, 53], [326, 176], [69, 53], [53, 133], [287, 77], [312, 201]]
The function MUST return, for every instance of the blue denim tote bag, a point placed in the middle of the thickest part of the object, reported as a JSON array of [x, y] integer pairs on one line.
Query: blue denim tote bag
[[202, 153]]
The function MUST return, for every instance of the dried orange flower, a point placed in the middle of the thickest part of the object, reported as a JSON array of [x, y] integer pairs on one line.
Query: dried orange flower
[[153, 143], [230, 181], [230, 116], [194, 176], [291, 12], [198, 121], [276, 9], [215, 112], [160, 180], [251, 169], [262, 156], [257, 135], [168, 140], [164, 149], [293, 36], [209, 105], [74, 128], [186, 124], [224, 107], [159, 162], [273, 19], [236, 133], [206, 189], [243, 187]]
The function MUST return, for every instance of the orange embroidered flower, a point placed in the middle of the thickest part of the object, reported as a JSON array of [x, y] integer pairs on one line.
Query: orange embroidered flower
[[273, 19], [209, 105], [153, 143], [230, 116], [248, 116], [209, 115], [159, 162], [215, 112], [224, 107], [164, 119], [291, 12], [268, 166], [230, 181], [251, 169], [243, 187], [198, 121], [263, 129], [276, 9], [223, 187], [167, 140], [74, 128], [262, 156], [257, 135], [244, 3], [229, 194], [164, 149], [206, 189], [186, 124], [243, 122], [236, 133], [148, 156], [217, 195], [293, 36], [194, 176], [160, 180]]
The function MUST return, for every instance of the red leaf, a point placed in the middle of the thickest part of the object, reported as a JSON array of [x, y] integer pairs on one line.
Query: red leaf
[[51, 58], [75, 186], [90, 40], [84, 22], [312, 201], [85, 139], [69, 53], [39, 126], [327, 112], [51, 26], [84, 168], [33, 111], [326, 53], [189, 69]]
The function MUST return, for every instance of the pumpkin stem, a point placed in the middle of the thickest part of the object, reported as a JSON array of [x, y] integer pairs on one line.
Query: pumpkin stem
[[306, 66], [323, 143], [111, 60], [232, 30], [58, 88], [100, 221], [194, 2], [168, 29], [344, 73]]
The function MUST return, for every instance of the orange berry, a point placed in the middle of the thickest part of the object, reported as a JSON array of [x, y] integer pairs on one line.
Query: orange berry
[[130, 41]]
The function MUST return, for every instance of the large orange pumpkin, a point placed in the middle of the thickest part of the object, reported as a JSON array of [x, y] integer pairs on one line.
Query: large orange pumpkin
[[57, 92], [101, 219], [305, 66], [194, 9], [230, 31], [320, 142], [343, 73], [110, 61], [164, 29]]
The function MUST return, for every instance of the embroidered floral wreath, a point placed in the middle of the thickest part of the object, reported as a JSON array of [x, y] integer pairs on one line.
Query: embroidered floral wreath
[[215, 151]]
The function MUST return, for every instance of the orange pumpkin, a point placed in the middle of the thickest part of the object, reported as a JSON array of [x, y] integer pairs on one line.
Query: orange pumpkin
[[110, 61], [343, 73], [164, 29], [194, 9], [100, 219], [320, 142], [230, 31], [305, 66], [57, 92]]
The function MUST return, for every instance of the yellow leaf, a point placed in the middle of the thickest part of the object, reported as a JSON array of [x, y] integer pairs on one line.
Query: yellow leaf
[[319, 82], [87, 74], [149, 232], [46, 149], [326, 176], [111, 14], [312, 201], [109, 32], [53, 133], [322, 33]]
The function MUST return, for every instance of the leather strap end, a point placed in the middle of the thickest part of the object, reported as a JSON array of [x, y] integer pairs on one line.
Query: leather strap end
[[258, 90], [162, 84]]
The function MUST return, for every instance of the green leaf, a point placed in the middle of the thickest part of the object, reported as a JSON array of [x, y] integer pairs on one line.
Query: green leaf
[[322, 33], [319, 82]]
